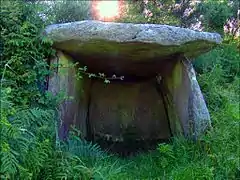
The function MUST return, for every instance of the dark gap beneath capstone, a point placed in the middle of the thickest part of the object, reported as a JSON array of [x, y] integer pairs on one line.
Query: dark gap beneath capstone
[[123, 66], [131, 147]]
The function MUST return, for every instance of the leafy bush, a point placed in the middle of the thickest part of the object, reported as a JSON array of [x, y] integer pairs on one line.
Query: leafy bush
[[24, 66], [134, 13], [217, 69], [216, 13], [26, 130], [25, 139], [29, 150], [68, 11], [82, 148]]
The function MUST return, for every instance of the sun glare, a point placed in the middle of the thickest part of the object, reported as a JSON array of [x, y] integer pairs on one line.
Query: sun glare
[[106, 10]]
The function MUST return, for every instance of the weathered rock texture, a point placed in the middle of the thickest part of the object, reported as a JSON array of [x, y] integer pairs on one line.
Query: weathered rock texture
[[64, 81], [160, 95], [128, 110], [136, 41]]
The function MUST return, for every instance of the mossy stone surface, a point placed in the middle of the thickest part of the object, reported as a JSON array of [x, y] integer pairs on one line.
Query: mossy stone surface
[[73, 110], [124, 111]]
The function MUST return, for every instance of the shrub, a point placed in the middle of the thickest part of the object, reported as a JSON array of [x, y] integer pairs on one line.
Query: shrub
[[216, 13], [69, 11], [217, 69]]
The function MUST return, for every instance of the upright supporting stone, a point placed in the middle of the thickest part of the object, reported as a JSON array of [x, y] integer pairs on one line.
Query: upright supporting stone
[[186, 100], [73, 110], [199, 114], [178, 86]]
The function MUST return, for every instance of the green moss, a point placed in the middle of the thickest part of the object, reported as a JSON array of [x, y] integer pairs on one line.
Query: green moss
[[174, 120], [65, 62], [175, 78], [125, 107], [173, 81], [68, 68], [177, 75]]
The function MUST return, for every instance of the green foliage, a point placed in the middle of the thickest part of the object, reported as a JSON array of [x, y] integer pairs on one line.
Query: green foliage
[[82, 148], [214, 156], [167, 154], [26, 130], [163, 14], [217, 69], [76, 159], [68, 11], [215, 13], [25, 140], [24, 52], [28, 149], [134, 13], [226, 55], [210, 15]]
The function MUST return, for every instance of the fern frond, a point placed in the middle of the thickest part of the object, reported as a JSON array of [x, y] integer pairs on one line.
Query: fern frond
[[28, 134], [35, 116], [83, 148], [9, 162]]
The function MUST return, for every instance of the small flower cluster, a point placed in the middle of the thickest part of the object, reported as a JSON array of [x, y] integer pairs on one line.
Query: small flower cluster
[[83, 71]]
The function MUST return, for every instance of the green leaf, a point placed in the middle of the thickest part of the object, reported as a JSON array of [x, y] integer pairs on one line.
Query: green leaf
[[106, 81]]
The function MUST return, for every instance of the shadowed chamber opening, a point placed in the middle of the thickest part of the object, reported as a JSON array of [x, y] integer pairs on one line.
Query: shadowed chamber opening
[[130, 147], [127, 116]]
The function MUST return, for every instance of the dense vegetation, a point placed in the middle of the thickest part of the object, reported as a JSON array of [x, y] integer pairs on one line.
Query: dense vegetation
[[30, 148]]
